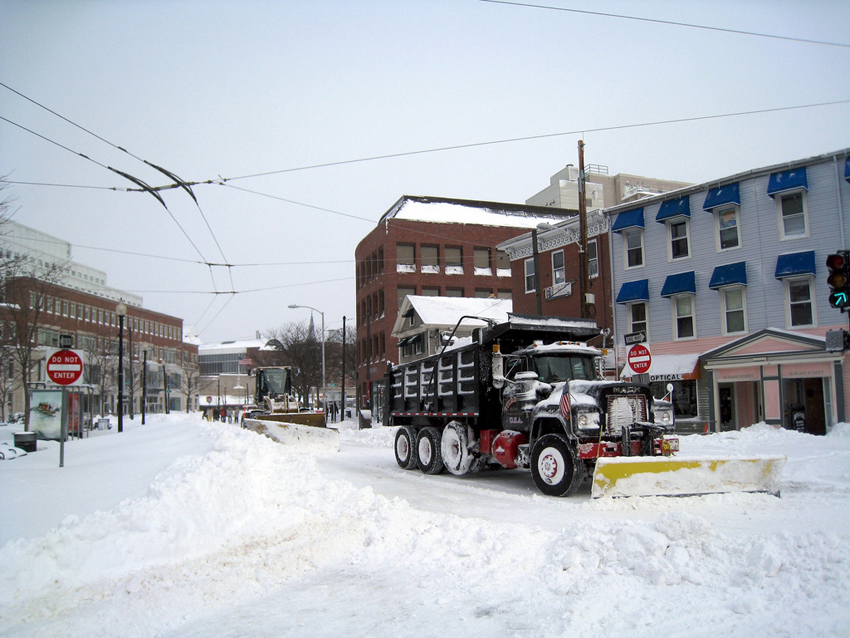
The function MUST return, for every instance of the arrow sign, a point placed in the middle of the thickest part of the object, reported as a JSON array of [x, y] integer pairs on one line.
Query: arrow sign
[[65, 367]]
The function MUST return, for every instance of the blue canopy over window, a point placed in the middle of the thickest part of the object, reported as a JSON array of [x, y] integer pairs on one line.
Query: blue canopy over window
[[634, 291], [847, 168], [792, 264], [628, 219], [729, 275], [787, 180], [674, 208], [729, 194], [684, 282]]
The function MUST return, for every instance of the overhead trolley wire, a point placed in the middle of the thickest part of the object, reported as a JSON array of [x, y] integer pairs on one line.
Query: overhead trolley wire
[[178, 181], [668, 22], [599, 129]]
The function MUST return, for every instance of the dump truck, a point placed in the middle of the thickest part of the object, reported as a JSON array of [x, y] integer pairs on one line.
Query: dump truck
[[530, 393], [277, 413]]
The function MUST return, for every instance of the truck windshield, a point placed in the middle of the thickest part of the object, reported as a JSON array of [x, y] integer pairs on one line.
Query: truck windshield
[[556, 368], [276, 380]]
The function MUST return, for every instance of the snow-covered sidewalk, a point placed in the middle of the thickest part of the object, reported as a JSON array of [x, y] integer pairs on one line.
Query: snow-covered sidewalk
[[187, 528]]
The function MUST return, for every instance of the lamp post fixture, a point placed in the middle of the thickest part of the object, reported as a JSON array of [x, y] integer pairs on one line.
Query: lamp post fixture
[[121, 311], [292, 305]]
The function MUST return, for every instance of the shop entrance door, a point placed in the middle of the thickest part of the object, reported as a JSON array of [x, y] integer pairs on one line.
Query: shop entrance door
[[803, 408], [727, 406]]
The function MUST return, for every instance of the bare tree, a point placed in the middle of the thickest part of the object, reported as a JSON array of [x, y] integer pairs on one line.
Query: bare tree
[[301, 350], [101, 371], [189, 379]]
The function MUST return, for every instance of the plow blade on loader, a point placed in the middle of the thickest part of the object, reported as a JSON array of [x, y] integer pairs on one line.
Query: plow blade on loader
[[317, 437], [676, 476]]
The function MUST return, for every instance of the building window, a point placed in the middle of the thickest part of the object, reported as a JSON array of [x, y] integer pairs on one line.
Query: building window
[[733, 309], [503, 264], [634, 247], [683, 307], [454, 292], [504, 294], [430, 292], [481, 257], [559, 271], [726, 221], [800, 306], [637, 317], [406, 258], [454, 261], [592, 259], [793, 220], [404, 292], [483, 293], [430, 259], [679, 240], [529, 275]]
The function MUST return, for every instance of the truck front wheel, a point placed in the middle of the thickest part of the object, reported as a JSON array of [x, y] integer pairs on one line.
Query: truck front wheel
[[405, 448], [428, 451], [554, 467]]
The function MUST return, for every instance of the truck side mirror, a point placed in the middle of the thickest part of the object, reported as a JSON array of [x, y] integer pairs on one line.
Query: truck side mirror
[[498, 367]]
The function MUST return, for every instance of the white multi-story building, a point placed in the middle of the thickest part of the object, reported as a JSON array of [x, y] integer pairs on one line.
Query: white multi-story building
[[43, 250], [727, 282]]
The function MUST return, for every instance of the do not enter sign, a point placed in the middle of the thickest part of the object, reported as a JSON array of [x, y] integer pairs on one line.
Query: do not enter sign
[[639, 358], [65, 367]]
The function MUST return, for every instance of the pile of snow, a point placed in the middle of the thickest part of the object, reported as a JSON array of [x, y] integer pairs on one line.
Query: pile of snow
[[223, 532]]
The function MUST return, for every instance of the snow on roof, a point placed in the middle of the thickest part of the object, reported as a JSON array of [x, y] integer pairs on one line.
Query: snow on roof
[[471, 212], [230, 347], [447, 310]]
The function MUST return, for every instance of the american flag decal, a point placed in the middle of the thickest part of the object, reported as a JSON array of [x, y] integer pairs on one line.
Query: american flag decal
[[565, 401]]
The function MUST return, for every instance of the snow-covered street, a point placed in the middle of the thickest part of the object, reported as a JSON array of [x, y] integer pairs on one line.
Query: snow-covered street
[[187, 528]]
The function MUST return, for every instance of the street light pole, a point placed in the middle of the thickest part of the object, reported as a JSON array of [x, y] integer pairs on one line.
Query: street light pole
[[324, 404], [121, 311]]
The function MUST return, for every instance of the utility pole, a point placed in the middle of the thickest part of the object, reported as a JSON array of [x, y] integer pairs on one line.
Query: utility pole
[[342, 408], [582, 256]]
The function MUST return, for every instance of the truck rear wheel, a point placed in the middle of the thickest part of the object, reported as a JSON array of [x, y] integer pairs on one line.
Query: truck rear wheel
[[554, 467], [428, 451], [454, 447], [405, 448]]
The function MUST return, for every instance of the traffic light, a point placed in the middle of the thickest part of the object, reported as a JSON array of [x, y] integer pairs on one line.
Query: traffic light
[[838, 279]]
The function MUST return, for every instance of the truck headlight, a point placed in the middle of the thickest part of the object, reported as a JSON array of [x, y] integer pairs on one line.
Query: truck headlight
[[587, 420], [664, 417]]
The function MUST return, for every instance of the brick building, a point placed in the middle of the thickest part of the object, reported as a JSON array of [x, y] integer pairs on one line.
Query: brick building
[[434, 247], [558, 263], [94, 326]]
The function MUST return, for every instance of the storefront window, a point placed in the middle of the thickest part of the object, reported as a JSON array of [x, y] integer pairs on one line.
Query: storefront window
[[684, 397]]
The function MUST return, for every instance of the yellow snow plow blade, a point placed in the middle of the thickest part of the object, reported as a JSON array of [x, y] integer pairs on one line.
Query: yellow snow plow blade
[[308, 436], [676, 476], [314, 419]]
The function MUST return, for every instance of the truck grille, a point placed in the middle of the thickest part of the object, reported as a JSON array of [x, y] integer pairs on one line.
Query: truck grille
[[625, 410]]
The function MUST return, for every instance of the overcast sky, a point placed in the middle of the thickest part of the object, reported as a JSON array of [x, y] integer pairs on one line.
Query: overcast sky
[[216, 91]]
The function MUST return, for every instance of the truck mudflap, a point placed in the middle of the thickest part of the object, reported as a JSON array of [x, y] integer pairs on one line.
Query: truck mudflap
[[676, 476], [315, 438]]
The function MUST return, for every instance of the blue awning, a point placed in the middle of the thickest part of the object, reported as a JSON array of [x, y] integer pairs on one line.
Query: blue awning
[[634, 291], [679, 284], [674, 208], [792, 264], [847, 168], [787, 180], [628, 219], [729, 194], [729, 275]]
